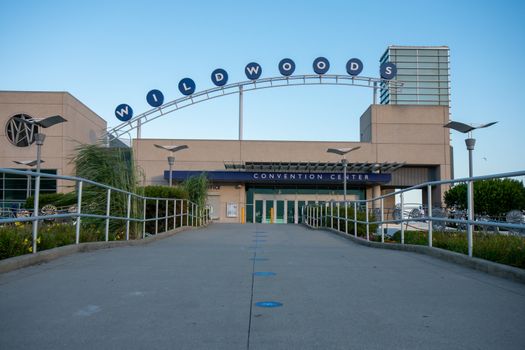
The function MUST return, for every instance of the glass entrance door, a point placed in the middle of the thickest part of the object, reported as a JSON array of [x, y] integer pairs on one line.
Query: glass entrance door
[[290, 212], [279, 212], [258, 211]]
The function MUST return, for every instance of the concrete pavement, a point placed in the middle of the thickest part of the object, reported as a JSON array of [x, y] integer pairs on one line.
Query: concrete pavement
[[197, 290]]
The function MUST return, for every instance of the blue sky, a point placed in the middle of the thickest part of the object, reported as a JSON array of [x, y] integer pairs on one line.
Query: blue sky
[[111, 52]]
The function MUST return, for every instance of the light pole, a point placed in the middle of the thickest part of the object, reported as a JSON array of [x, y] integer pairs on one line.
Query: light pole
[[171, 159], [39, 139], [343, 152], [470, 142]]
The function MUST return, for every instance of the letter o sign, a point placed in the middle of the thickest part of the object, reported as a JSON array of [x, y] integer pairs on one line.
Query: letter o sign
[[186, 86], [321, 65], [219, 77], [286, 67]]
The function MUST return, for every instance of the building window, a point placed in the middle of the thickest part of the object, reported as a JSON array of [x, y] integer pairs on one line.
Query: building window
[[16, 188]]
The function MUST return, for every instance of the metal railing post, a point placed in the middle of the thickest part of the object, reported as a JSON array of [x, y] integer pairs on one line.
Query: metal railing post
[[367, 222], [108, 212], [346, 217], [79, 210], [331, 214], [144, 220], [355, 219], [128, 215], [156, 216], [470, 211], [402, 218], [174, 214], [382, 219], [429, 214], [338, 216], [36, 209], [166, 218]]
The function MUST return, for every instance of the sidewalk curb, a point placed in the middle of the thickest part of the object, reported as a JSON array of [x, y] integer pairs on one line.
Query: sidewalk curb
[[44, 256], [489, 267]]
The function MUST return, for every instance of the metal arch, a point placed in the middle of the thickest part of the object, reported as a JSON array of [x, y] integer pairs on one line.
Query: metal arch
[[248, 85]]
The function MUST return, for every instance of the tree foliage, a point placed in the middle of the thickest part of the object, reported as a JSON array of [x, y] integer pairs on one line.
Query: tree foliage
[[113, 167], [197, 188], [493, 197]]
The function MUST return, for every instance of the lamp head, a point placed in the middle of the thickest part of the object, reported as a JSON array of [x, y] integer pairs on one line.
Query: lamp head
[[39, 138], [342, 151], [172, 148]]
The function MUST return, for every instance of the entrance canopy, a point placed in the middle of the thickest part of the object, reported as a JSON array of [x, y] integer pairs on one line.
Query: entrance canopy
[[313, 167]]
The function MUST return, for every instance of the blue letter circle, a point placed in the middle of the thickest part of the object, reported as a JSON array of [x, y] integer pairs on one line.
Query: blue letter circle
[[388, 70], [321, 65], [124, 112], [155, 98], [219, 77], [286, 67], [354, 66], [187, 86], [253, 70]]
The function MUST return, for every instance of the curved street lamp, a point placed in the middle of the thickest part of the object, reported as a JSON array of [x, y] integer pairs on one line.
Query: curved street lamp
[[171, 159], [470, 142], [39, 139], [343, 152]]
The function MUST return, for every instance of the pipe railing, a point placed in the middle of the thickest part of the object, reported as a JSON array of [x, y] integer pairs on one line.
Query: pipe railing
[[325, 214], [188, 215]]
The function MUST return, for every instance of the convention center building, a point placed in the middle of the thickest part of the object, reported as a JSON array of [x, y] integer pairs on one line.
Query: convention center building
[[402, 143]]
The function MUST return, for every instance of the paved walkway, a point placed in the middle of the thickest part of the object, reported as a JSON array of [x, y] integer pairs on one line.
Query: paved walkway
[[196, 290]]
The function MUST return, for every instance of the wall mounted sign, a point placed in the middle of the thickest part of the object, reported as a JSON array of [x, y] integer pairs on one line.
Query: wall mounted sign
[[281, 177]]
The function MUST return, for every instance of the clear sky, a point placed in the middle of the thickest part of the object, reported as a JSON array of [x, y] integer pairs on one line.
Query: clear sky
[[111, 52]]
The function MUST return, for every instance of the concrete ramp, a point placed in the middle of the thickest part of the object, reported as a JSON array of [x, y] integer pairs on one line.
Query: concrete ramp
[[257, 287]]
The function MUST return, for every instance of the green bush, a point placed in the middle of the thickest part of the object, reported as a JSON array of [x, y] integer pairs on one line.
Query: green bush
[[508, 250], [494, 197], [177, 192], [17, 239], [165, 192]]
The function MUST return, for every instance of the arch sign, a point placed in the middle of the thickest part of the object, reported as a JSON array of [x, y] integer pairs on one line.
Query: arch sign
[[253, 71]]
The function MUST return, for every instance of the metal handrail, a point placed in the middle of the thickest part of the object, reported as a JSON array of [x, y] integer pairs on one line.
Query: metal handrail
[[195, 216], [312, 218]]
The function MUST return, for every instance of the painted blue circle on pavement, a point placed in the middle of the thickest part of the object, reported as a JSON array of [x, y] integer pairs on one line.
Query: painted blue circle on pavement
[[354, 66], [124, 112], [286, 67], [388, 70], [155, 98], [269, 304], [219, 77], [187, 86], [321, 65], [264, 273], [253, 70]]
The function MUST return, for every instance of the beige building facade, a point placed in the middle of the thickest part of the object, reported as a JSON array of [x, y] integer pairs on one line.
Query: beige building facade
[[83, 126], [250, 180]]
